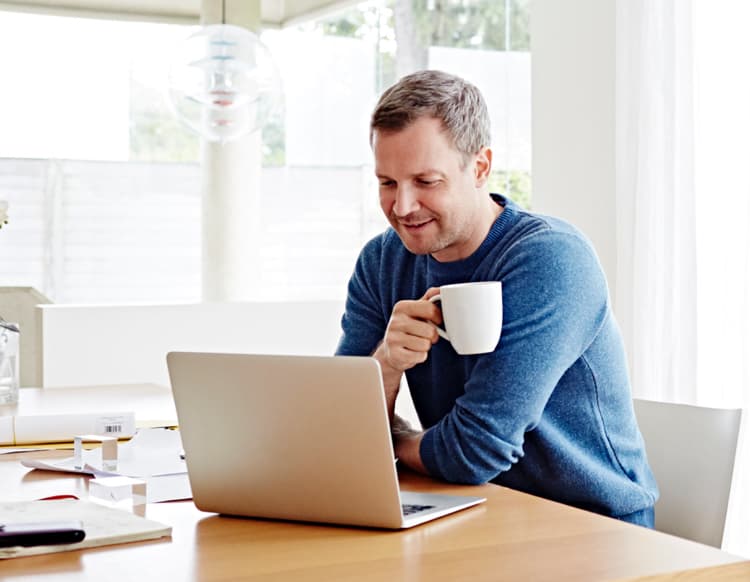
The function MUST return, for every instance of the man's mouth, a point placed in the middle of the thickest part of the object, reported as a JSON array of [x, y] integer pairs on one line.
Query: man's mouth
[[413, 226]]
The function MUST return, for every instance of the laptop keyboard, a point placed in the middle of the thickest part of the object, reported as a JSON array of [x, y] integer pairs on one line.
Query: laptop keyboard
[[411, 508]]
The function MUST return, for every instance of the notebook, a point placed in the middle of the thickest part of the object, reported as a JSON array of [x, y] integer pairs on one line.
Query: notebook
[[303, 438], [104, 525]]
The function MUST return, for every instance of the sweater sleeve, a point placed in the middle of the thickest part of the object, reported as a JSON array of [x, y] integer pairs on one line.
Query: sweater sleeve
[[363, 323], [555, 300]]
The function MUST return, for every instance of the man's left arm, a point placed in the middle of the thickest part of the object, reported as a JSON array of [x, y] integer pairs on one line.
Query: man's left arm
[[406, 442], [554, 300]]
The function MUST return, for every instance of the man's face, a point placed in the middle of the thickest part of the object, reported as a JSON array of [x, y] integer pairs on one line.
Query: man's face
[[433, 198]]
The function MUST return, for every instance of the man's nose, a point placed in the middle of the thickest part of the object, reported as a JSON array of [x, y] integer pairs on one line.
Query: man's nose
[[406, 202]]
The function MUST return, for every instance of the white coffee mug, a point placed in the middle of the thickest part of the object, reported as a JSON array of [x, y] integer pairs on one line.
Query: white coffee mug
[[472, 315]]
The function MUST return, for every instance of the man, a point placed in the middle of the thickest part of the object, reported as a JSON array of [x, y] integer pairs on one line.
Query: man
[[549, 411]]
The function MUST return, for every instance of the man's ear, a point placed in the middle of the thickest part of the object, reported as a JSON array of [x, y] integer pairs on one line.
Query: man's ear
[[482, 167]]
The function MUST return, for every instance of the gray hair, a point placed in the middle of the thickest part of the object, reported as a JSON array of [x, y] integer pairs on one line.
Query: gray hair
[[456, 103]]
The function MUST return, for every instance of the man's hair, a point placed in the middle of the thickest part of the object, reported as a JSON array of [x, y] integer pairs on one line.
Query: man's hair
[[456, 103]]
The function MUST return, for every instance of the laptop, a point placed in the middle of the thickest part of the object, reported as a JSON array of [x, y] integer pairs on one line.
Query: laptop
[[303, 438]]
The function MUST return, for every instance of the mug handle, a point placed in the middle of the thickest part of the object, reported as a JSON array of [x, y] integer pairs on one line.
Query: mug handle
[[441, 332]]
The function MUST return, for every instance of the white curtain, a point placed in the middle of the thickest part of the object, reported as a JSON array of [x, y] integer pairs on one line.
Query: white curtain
[[656, 197], [683, 205]]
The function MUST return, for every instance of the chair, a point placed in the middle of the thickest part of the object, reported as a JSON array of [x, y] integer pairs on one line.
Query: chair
[[691, 450]]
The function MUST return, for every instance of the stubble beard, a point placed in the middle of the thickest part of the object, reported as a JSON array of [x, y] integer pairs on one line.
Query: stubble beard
[[439, 242]]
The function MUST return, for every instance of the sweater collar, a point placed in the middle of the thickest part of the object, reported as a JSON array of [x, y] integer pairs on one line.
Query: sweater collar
[[464, 267]]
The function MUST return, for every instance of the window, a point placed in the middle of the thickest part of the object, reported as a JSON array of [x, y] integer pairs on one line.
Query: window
[[104, 185]]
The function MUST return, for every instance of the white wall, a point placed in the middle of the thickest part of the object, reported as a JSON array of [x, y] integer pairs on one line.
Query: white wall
[[89, 345], [573, 118], [100, 345]]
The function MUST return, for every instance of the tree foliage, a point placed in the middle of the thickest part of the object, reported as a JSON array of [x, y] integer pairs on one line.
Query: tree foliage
[[515, 184], [479, 24]]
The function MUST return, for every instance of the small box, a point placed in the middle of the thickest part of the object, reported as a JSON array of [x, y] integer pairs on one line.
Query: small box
[[109, 450], [119, 492]]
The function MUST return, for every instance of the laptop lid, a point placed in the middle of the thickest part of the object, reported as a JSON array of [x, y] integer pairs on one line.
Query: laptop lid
[[291, 437]]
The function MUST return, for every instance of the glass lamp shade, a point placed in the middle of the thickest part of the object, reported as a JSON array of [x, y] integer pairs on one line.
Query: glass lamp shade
[[223, 83]]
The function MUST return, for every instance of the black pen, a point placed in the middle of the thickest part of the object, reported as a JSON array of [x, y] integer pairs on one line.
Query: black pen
[[43, 533]]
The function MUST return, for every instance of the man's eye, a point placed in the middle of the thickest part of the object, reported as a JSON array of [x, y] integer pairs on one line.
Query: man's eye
[[386, 183], [427, 182]]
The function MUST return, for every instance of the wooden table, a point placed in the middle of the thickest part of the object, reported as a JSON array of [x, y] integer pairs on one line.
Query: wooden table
[[725, 573], [513, 536]]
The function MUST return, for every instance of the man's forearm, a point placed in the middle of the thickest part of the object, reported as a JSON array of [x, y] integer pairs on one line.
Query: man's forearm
[[405, 439], [406, 447], [391, 380]]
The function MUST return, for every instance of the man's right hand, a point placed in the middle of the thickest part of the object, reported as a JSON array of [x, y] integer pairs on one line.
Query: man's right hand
[[408, 339], [410, 333]]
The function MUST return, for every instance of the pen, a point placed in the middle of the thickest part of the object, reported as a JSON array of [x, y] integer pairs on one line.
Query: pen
[[45, 533]]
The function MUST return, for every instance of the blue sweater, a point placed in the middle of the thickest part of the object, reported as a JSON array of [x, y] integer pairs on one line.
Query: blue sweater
[[549, 412]]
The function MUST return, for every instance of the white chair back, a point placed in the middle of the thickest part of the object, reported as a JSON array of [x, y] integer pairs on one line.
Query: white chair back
[[691, 450]]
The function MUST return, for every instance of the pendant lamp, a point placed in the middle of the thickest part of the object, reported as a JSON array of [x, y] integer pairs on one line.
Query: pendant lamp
[[223, 83]]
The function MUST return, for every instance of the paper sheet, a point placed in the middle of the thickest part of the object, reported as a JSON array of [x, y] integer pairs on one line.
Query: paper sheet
[[153, 454]]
